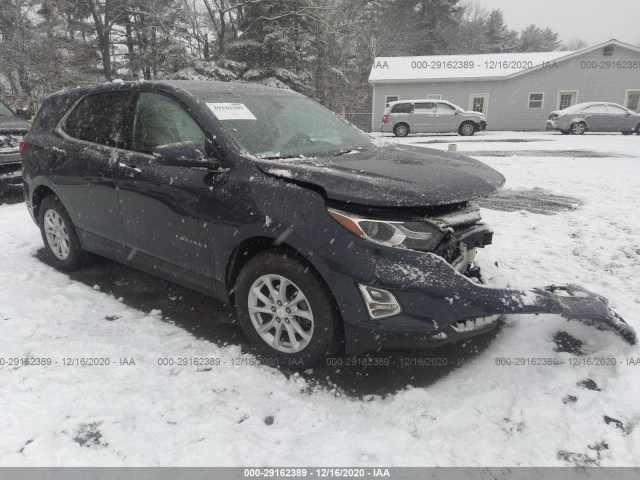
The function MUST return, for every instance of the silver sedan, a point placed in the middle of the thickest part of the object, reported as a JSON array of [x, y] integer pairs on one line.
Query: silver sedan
[[594, 117]]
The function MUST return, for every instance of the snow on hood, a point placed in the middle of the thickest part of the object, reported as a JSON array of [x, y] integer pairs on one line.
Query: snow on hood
[[392, 176]]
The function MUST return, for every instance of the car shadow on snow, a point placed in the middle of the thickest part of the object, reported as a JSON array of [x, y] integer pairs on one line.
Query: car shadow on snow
[[10, 194], [377, 373]]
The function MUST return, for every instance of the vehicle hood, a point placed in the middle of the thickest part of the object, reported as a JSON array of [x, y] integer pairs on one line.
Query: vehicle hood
[[471, 112], [12, 124], [392, 176]]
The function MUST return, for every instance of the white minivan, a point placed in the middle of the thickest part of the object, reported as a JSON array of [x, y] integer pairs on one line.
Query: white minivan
[[403, 117]]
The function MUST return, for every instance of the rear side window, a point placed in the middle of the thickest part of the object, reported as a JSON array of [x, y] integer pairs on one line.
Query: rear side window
[[100, 118], [402, 108], [425, 106], [159, 120]]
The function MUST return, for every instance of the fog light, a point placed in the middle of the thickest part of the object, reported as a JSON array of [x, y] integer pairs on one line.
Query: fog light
[[380, 303]]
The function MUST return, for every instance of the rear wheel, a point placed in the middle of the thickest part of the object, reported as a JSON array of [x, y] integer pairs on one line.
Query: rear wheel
[[638, 130], [59, 235], [628, 133], [467, 129], [578, 128], [286, 310], [401, 130]]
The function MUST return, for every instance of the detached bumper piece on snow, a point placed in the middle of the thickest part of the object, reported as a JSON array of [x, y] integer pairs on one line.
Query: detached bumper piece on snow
[[576, 303]]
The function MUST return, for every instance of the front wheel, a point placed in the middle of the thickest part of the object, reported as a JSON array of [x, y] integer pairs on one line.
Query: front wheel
[[467, 129], [286, 310], [59, 235]]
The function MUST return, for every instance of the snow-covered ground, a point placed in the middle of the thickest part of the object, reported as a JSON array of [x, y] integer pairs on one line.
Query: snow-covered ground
[[573, 412]]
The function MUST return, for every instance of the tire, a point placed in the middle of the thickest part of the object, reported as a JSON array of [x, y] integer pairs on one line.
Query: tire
[[466, 129], [320, 322], [401, 130], [578, 128], [638, 130], [59, 235]]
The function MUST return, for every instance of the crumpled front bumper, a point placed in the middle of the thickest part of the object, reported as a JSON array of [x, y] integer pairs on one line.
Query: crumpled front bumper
[[439, 304]]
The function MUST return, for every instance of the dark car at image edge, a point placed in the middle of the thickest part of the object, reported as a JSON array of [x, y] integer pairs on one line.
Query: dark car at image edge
[[12, 129], [314, 232]]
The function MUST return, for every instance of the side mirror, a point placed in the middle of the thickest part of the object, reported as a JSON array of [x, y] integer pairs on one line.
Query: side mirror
[[185, 154], [24, 113]]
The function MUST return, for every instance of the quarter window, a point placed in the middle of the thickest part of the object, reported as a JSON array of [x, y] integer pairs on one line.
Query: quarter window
[[159, 120], [536, 100], [100, 118], [402, 108]]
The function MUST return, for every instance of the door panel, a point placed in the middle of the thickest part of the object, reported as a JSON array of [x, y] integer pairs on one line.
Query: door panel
[[167, 210], [445, 118], [597, 118], [94, 134], [422, 118]]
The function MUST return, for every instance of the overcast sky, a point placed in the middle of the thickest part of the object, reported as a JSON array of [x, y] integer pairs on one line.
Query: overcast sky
[[594, 21]]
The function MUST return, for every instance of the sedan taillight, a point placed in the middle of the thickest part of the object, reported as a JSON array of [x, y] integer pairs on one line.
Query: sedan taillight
[[22, 146], [385, 118]]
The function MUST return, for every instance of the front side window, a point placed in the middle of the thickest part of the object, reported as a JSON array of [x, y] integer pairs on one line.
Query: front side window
[[100, 118], [272, 126], [536, 100], [160, 120], [446, 109], [616, 110]]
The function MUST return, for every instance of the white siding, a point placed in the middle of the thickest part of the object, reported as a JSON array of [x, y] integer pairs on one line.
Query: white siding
[[508, 99]]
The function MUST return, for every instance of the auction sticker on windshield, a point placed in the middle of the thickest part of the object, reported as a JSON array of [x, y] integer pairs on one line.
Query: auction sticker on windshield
[[231, 111]]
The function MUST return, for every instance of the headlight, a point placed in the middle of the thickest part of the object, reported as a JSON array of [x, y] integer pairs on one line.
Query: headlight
[[415, 235]]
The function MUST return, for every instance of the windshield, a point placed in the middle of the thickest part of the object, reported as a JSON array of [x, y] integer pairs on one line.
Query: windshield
[[287, 126], [5, 111]]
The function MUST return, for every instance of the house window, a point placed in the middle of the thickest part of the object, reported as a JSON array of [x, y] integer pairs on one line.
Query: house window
[[632, 101], [390, 98], [536, 100], [566, 99], [434, 97], [479, 103]]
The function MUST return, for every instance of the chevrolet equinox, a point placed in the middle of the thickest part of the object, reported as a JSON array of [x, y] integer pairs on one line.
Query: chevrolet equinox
[[314, 232]]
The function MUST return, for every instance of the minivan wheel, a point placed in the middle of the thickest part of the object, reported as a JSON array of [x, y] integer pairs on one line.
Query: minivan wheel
[[60, 238], [285, 310], [467, 129], [401, 130], [578, 128]]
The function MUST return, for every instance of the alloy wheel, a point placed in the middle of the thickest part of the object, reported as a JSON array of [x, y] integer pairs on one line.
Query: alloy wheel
[[57, 234], [280, 313], [467, 129]]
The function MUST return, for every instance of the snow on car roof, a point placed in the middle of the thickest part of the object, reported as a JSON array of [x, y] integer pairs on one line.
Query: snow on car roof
[[458, 67]]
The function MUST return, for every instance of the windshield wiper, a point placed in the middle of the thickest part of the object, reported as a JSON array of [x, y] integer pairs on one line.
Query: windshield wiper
[[349, 150]]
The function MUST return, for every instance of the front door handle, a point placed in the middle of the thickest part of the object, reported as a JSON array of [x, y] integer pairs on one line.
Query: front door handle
[[130, 168]]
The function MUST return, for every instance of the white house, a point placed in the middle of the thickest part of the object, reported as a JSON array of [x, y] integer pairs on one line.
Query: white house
[[515, 90]]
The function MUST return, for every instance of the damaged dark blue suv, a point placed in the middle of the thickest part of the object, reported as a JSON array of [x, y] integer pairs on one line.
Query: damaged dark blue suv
[[316, 234]]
